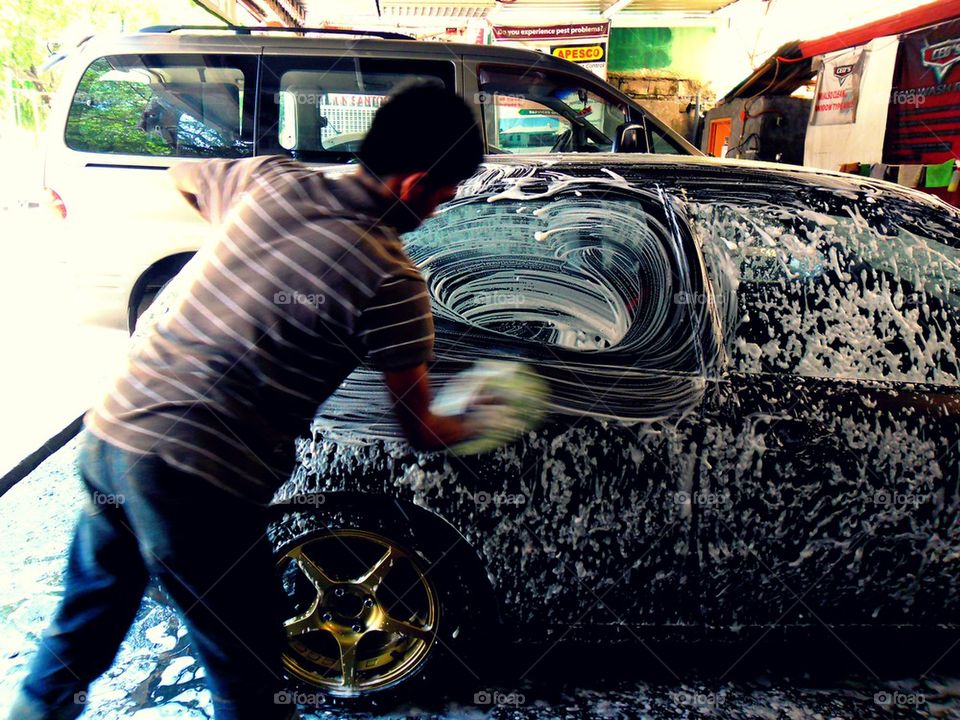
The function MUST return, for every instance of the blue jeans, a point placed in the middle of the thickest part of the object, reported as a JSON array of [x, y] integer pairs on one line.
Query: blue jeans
[[209, 551]]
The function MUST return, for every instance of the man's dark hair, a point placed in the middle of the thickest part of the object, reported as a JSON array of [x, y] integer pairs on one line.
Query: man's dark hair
[[423, 127]]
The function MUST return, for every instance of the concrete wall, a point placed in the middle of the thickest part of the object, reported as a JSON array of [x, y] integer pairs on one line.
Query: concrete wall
[[666, 97], [775, 132], [830, 146]]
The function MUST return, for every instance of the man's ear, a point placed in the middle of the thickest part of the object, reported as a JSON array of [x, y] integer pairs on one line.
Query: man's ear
[[411, 184]]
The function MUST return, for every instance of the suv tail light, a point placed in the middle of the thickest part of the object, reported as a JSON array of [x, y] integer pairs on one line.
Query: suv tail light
[[55, 203]]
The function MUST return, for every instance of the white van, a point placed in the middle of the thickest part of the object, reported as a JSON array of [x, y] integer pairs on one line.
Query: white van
[[131, 106]]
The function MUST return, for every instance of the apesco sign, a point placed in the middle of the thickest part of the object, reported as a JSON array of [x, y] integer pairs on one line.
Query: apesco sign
[[581, 53], [584, 44]]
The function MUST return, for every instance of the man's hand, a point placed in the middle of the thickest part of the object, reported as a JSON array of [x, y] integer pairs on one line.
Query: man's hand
[[410, 391]]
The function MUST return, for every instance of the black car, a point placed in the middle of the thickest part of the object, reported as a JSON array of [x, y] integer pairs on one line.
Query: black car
[[754, 373]]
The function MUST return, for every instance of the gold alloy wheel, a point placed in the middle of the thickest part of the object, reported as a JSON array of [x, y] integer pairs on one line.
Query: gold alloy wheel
[[366, 612]]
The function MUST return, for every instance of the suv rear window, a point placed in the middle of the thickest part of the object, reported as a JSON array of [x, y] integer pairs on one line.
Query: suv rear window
[[173, 105], [832, 295]]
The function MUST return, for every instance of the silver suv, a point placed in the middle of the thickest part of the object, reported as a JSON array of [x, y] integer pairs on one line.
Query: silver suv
[[132, 105]]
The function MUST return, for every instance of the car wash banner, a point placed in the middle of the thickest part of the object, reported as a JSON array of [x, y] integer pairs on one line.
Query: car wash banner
[[838, 88], [582, 43], [923, 121]]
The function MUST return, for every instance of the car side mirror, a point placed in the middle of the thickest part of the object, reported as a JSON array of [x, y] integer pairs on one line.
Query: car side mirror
[[628, 138]]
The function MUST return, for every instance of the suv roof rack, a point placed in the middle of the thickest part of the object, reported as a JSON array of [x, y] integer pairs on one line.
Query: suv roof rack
[[245, 30]]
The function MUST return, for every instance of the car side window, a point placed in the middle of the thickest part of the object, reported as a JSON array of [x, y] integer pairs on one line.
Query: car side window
[[659, 142], [173, 105], [317, 108], [531, 111], [584, 276], [831, 296]]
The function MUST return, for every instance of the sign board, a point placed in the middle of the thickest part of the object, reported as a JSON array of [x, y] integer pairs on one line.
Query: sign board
[[583, 43], [838, 88], [592, 56], [550, 32], [923, 125]]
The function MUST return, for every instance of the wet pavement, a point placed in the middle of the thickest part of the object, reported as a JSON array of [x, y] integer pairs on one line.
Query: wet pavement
[[156, 675]]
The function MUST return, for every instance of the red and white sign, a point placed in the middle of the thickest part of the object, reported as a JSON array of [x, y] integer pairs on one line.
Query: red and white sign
[[519, 33], [838, 88], [556, 39]]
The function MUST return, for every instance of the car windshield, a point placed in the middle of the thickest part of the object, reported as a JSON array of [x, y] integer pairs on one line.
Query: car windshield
[[835, 295]]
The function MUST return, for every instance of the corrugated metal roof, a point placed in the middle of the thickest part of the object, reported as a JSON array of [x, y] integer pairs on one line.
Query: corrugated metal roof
[[543, 11], [436, 8]]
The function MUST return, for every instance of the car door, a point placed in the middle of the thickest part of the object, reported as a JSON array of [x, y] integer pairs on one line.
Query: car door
[[829, 479], [583, 524]]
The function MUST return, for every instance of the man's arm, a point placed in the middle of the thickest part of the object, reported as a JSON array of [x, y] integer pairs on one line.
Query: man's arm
[[410, 392], [212, 186]]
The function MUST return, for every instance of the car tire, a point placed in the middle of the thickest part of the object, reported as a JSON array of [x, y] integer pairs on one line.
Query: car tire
[[149, 287], [344, 541], [140, 307]]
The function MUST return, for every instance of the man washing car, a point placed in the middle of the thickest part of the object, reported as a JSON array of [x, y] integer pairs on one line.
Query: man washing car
[[303, 278]]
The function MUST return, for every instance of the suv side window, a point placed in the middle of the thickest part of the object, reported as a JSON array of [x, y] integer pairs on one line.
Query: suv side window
[[174, 105], [319, 108], [528, 111], [581, 277], [830, 296]]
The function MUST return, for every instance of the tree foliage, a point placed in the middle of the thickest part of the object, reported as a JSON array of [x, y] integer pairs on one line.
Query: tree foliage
[[28, 26]]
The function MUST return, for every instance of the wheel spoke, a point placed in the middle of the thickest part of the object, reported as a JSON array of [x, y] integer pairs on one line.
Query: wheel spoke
[[302, 624], [317, 576], [405, 627], [348, 660], [374, 576]]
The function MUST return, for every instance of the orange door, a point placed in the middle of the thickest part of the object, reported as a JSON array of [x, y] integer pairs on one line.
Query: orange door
[[719, 134]]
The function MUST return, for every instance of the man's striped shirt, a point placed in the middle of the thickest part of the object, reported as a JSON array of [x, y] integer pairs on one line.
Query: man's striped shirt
[[301, 280]]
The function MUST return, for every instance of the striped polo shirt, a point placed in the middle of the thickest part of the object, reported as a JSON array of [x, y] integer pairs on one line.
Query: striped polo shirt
[[302, 279]]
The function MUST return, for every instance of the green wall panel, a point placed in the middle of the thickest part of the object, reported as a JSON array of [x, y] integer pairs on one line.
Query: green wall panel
[[683, 51]]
